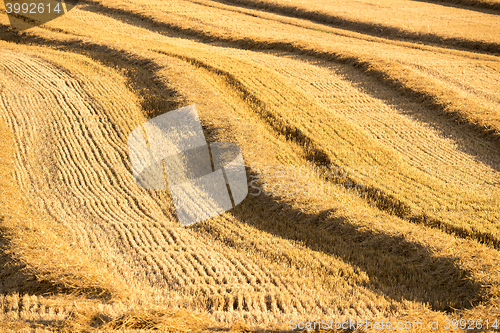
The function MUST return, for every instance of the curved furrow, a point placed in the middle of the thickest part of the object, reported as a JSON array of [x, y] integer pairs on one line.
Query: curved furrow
[[102, 207], [105, 173], [266, 305], [380, 18], [286, 36], [468, 78], [194, 271], [474, 4], [286, 116], [294, 117], [240, 271], [395, 122], [291, 286]]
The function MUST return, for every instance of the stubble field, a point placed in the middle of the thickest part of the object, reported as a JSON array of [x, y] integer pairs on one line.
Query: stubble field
[[370, 133]]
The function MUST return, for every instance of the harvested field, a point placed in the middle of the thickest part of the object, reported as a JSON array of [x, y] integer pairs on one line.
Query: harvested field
[[371, 145]]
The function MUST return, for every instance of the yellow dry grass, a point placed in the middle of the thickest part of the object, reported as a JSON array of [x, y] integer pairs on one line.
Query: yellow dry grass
[[457, 213], [475, 4], [460, 84], [420, 20], [26, 238], [420, 244]]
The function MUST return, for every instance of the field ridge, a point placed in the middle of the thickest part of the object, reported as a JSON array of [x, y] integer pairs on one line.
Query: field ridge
[[376, 196], [314, 114], [379, 30], [410, 83]]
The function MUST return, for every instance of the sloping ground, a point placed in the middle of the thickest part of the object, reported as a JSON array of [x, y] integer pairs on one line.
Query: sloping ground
[[307, 248], [64, 135], [457, 211], [42, 244], [487, 4], [419, 20], [462, 84]]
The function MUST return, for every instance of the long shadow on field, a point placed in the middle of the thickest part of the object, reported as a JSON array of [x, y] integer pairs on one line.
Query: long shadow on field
[[157, 98], [398, 268], [376, 30], [468, 139], [17, 277], [172, 30], [141, 74], [477, 6], [465, 140], [371, 29]]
